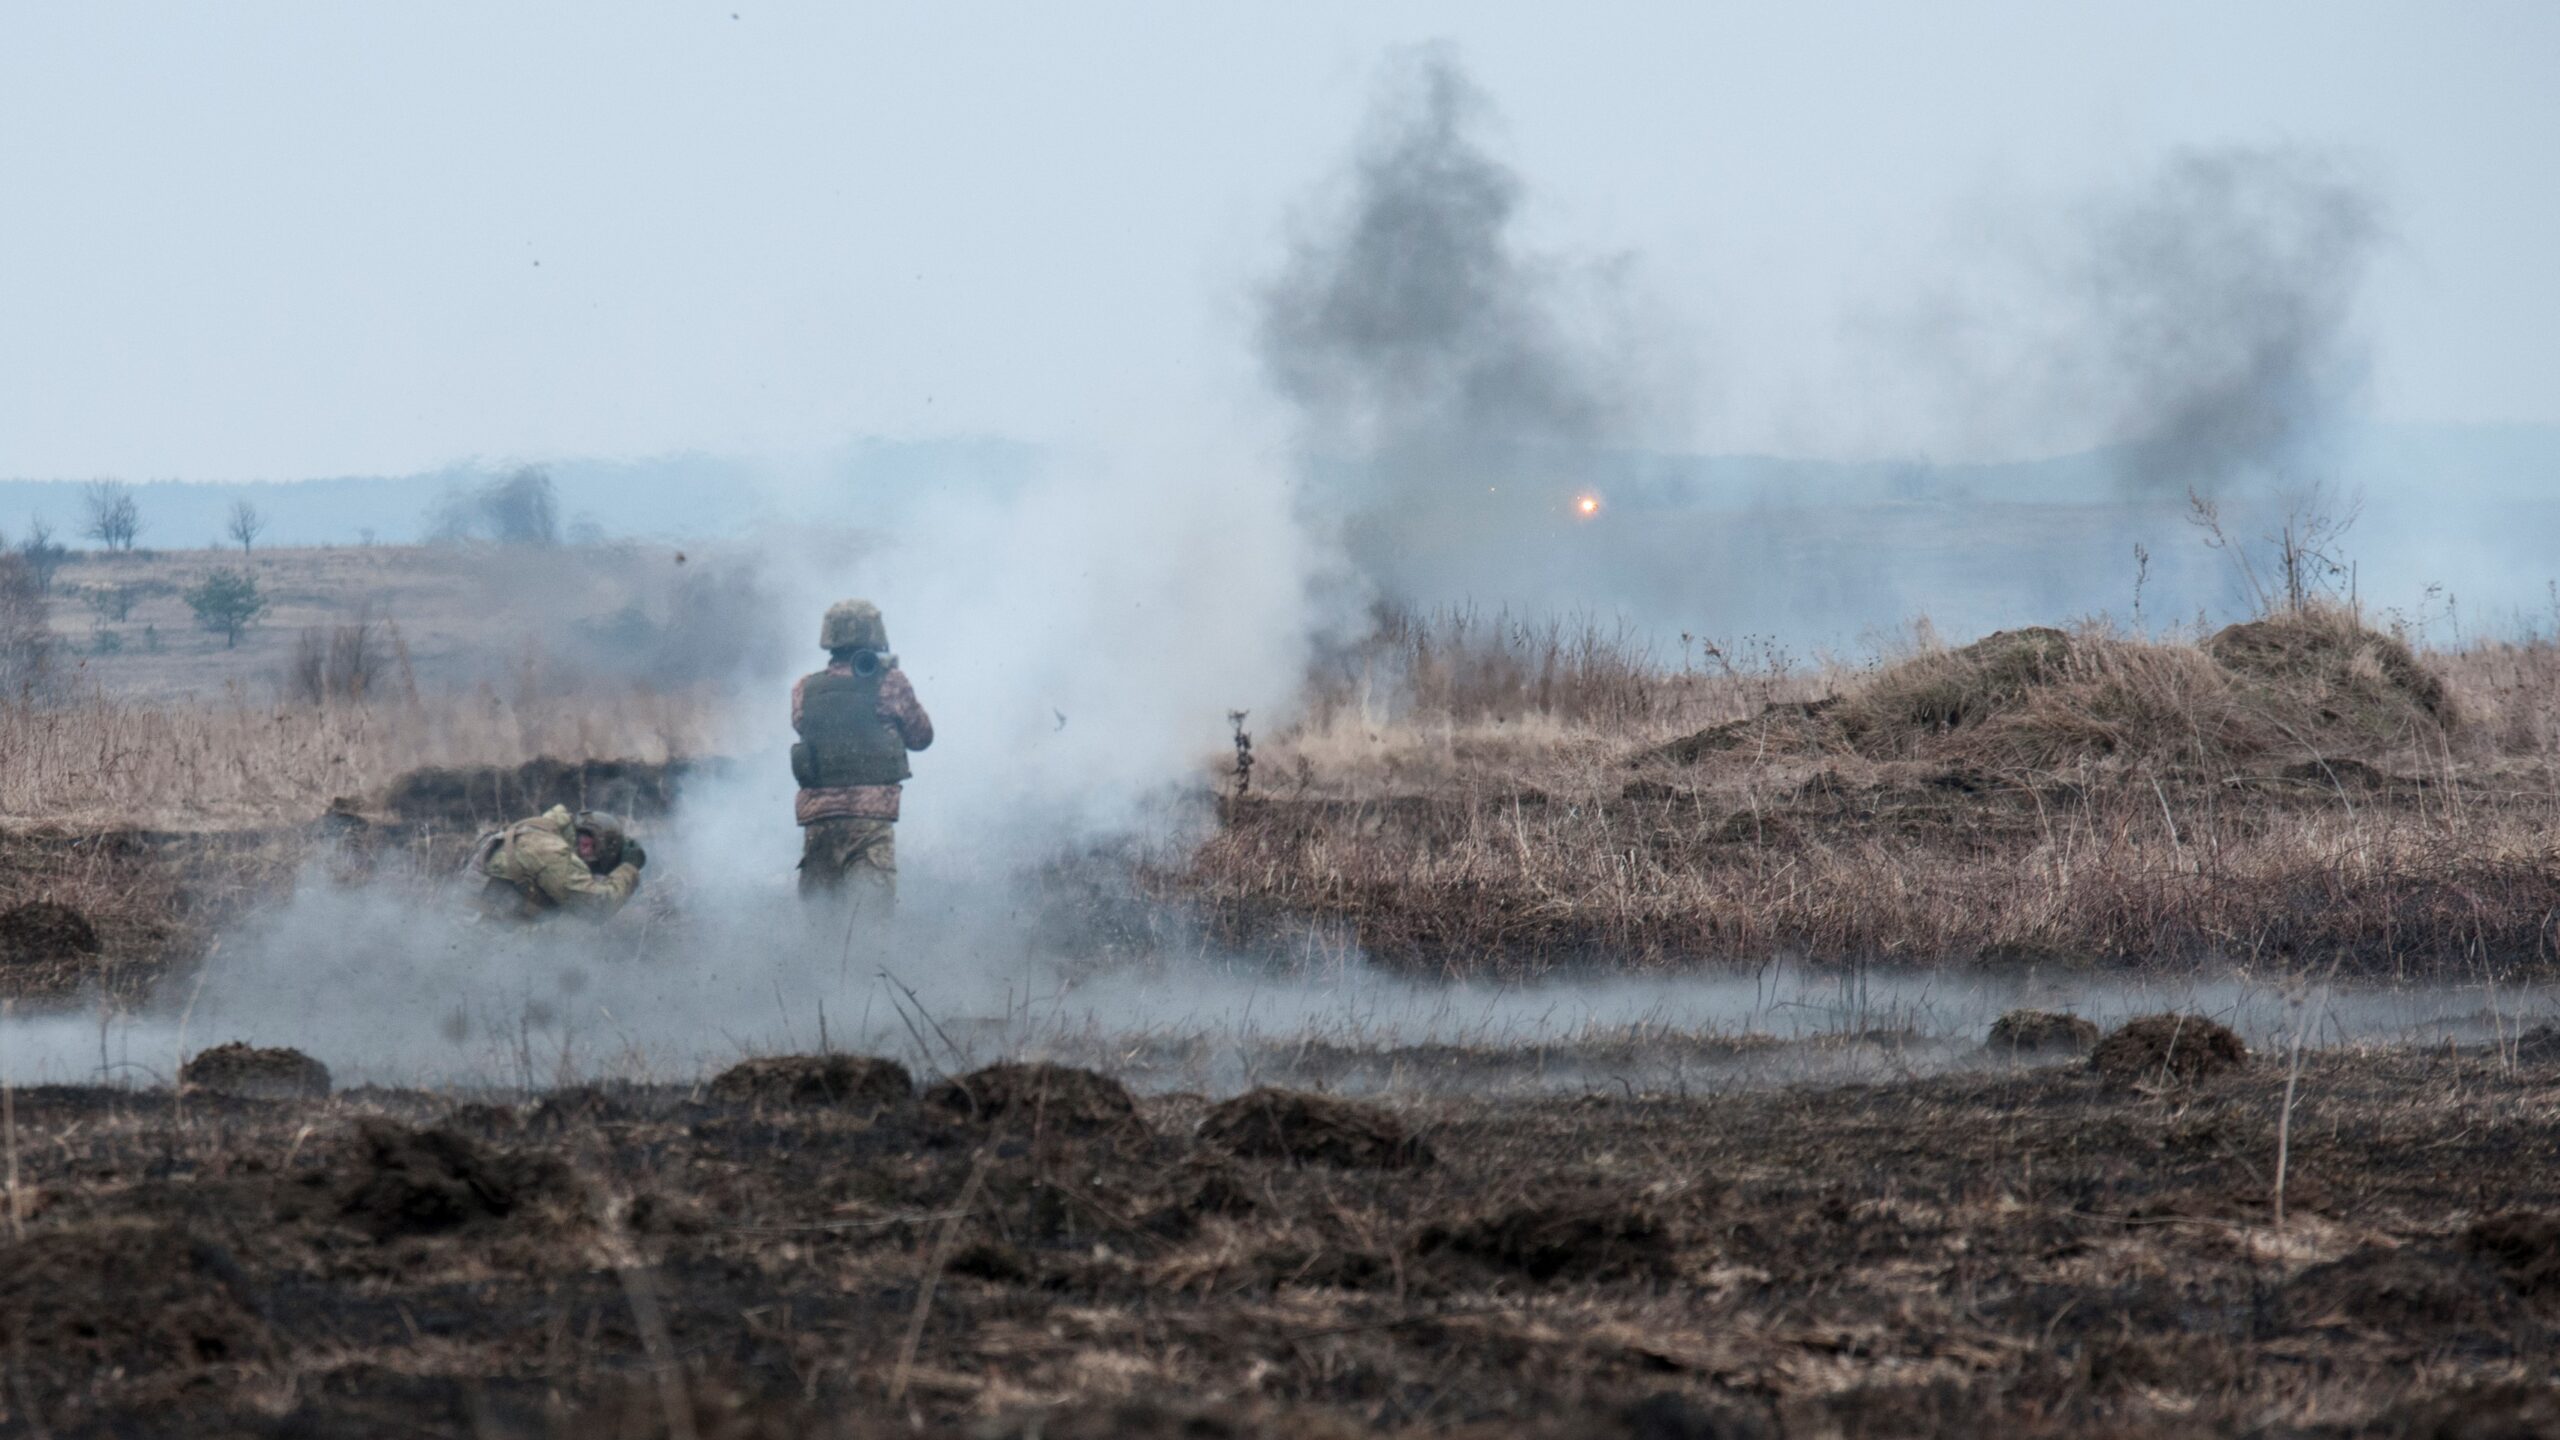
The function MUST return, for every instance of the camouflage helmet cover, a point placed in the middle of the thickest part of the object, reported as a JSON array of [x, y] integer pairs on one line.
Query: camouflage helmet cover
[[854, 625], [609, 838]]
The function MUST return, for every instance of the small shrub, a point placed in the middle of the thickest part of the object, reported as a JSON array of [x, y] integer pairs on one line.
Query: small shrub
[[339, 662], [226, 602]]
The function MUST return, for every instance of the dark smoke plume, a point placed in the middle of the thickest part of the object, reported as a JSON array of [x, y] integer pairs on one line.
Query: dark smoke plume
[[2209, 317], [1454, 390]]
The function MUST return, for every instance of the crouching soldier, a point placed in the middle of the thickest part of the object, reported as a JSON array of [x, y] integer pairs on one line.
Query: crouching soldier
[[857, 719], [556, 862]]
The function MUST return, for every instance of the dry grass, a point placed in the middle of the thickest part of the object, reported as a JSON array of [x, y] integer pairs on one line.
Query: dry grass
[[101, 762], [2303, 789]]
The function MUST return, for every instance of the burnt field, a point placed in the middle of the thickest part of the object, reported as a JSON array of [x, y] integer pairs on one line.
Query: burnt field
[[1647, 1200], [810, 1248]]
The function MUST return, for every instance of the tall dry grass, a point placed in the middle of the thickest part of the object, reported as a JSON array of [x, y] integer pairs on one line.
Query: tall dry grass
[[2071, 795], [98, 762]]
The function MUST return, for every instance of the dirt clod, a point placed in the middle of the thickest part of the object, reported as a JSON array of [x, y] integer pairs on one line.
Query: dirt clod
[[90, 1299], [991, 1261], [1274, 1124], [2043, 1032], [1052, 1097], [852, 1082], [428, 1182], [1596, 1235], [1669, 1415], [45, 932], [2523, 1243], [2176, 1047], [2539, 1045], [256, 1073]]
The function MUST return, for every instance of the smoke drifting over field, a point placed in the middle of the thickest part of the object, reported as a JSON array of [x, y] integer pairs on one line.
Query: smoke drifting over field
[[1453, 389], [2223, 299], [2201, 319], [1458, 396], [1080, 636]]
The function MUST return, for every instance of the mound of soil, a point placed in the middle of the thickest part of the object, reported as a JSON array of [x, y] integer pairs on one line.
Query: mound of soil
[[852, 1082], [1962, 687], [2525, 1245], [91, 1300], [1780, 725], [2360, 678], [2042, 1032], [1596, 1235], [45, 932], [494, 794], [1037, 1094], [2539, 1045], [2043, 698], [2397, 1289], [429, 1182], [1292, 1125], [255, 1073], [2177, 1047]]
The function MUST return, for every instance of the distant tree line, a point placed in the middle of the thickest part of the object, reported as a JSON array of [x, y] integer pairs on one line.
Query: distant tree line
[[518, 508]]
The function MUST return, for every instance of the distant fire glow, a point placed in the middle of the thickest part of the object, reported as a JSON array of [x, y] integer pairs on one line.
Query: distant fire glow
[[1588, 505]]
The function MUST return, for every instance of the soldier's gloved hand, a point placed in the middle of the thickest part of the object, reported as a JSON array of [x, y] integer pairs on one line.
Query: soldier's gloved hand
[[635, 855]]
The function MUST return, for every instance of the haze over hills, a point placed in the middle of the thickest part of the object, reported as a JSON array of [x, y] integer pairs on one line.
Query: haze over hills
[[2460, 527]]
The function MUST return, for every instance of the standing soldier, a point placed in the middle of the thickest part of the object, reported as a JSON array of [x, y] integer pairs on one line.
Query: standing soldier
[[554, 862], [857, 720]]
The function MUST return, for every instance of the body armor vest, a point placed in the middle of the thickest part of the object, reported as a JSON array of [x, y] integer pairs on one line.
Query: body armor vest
[[843, 739]]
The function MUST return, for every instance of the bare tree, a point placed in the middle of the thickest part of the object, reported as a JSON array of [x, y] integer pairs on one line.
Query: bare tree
[[114, 520], [26, 632], [2300, 560], [246, 524], [44, 554]]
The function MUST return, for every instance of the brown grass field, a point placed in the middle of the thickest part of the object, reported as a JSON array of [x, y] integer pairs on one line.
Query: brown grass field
[[2304, 793], [2168, 1238]]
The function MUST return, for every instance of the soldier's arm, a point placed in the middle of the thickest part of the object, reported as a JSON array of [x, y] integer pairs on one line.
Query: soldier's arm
[[797, 688], [567, 880], [899, 706]]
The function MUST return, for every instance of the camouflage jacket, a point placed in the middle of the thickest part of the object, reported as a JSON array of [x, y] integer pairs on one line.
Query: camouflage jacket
[[539, 859], [898, 706]]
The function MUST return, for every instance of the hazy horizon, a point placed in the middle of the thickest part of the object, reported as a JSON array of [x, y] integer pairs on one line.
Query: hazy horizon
[[335, 242]]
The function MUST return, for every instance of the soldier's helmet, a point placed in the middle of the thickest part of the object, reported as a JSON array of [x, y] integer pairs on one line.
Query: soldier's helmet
[[609, 839], [853, 624]]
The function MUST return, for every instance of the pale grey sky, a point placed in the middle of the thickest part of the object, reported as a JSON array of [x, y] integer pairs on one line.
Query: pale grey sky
[[286, 240]]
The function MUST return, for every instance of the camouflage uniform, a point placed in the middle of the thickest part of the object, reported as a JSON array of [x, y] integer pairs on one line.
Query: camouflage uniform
[[531, 870], [849, 831]]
